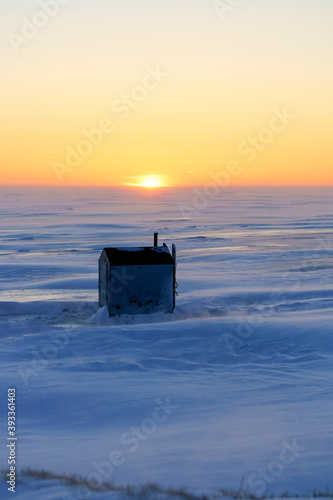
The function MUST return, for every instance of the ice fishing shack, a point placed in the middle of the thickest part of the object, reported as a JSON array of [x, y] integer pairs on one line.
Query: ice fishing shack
[[138, 280]]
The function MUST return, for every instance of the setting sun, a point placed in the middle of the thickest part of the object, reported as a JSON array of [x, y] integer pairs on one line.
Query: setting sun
[[148, 181], [151, 181]]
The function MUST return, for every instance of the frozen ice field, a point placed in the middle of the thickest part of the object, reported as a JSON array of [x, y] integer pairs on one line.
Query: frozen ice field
[[234, 390]]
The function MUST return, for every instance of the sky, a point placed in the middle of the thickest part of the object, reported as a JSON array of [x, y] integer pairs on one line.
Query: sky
[[177, 92]]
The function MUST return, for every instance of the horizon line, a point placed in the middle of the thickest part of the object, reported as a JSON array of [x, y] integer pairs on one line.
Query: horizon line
[[158, 188]]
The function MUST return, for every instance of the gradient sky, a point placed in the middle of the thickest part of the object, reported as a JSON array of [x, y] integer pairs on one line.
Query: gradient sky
[[226, 76]]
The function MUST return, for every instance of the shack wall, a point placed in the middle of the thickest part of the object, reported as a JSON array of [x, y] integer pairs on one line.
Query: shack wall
[[103, 280], [141, 289]]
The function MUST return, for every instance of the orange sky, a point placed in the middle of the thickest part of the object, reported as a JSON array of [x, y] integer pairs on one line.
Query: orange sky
[[105, 93]]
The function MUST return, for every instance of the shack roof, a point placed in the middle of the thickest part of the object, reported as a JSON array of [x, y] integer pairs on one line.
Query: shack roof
[[136, 256]]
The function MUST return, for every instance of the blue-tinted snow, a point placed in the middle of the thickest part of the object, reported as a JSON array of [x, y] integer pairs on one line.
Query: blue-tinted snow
[[246, 358]]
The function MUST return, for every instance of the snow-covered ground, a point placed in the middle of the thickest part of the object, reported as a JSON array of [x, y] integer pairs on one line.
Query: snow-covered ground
[[233, 390]]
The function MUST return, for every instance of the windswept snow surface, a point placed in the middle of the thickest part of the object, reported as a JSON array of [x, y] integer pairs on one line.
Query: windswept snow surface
[[235, 389]]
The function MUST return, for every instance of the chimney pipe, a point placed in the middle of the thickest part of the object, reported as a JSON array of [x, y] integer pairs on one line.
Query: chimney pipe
[[155, 239]]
